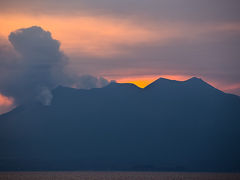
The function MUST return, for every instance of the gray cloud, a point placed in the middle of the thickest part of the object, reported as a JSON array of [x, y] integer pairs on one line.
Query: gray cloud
[[175, 10], [37, 67], [88, 82]]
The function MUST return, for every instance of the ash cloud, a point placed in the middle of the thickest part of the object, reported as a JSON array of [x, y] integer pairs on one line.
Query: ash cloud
[[35, 66], [89, 82]]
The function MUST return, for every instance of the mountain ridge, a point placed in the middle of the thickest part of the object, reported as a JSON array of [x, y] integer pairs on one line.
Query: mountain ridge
[[122, 126]]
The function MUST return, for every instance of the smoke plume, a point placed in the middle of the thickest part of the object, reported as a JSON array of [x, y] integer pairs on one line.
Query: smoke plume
[[35, 65]]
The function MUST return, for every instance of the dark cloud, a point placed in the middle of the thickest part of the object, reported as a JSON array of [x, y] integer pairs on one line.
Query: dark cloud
[[38, 67]]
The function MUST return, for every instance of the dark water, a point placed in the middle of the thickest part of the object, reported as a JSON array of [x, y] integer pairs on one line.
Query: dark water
[[116, 176]]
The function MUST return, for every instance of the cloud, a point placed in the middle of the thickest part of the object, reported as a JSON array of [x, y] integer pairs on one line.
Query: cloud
[[40, 64], [89, 82], [36, 67], [173, 10]]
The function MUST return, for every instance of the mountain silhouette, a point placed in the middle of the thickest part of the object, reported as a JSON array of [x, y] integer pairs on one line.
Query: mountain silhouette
[[168, 125]]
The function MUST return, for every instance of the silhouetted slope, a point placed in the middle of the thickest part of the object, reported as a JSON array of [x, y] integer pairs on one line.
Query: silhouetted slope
[[192, 86], [169, 125]]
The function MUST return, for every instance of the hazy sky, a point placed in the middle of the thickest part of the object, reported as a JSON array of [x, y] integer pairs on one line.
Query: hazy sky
[[129, 40]]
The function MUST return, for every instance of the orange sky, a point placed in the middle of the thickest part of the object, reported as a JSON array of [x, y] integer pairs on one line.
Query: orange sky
[[104, 37], [6, 104], [101, 36], [94, 36], [5, 101], [143, 81]]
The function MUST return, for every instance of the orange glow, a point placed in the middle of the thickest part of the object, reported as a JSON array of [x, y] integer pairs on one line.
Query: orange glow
[[6, 104], [143, 81], [5, 101], [232, 87], [96, 36], [102, 36], [105, 36], [228, 88]]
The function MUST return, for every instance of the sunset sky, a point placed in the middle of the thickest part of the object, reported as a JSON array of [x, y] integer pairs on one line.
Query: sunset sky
[[136, 41]]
